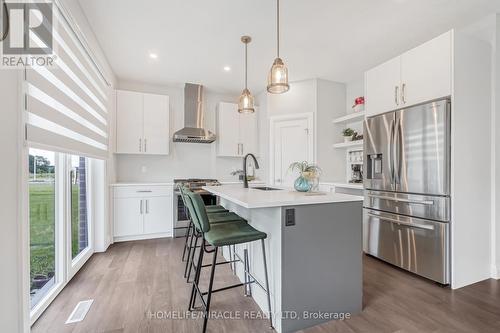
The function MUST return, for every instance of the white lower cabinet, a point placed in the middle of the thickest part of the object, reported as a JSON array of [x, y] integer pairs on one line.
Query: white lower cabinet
[[158, 210], [128, 217], [142, 212]]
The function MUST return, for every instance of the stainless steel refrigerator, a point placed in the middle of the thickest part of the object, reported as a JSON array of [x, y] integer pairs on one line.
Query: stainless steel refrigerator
[[406, 215]]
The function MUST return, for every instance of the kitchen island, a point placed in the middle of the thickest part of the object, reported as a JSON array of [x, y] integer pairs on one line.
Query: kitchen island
[[314, 252]]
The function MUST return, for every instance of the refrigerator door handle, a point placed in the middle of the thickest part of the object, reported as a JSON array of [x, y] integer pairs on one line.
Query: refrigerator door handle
[[416, 202], [391, 152], [412, 225], [398, 151]]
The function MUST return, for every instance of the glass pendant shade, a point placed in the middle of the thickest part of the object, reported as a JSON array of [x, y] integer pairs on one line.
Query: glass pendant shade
[[246, 102], [277, 81]]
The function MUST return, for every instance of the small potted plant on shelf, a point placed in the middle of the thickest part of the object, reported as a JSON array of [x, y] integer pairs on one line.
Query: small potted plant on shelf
[[359, 104], [348, 134], [309, 175]]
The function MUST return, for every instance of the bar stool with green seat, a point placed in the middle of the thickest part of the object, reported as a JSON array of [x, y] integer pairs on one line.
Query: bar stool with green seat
[[210, 209], [217, 235], [217, 215]]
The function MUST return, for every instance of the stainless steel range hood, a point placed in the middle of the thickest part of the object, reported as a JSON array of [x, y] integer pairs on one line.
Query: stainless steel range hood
[[193, 130]]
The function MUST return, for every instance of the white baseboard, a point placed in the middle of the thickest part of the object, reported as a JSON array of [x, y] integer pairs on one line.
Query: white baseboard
[[495, 272], [142, 237]]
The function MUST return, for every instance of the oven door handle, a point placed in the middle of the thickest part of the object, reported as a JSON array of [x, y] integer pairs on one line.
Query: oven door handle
[[408, 224], [416, 202]]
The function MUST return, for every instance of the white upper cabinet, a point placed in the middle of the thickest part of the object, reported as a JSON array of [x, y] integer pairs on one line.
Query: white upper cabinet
[[426, 71], [228, 130], [236, 132], [156, 124], [142, 123], [383, 87], [129, 122], [248, 133], [419, 75]]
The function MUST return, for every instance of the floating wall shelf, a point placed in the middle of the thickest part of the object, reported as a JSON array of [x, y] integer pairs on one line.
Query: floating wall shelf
[[350, 118], [357, 143]]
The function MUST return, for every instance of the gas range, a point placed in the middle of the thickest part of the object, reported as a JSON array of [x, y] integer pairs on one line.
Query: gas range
[[196, 184], [181, 216]]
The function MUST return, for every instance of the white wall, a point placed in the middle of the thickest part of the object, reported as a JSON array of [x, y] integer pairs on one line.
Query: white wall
[[488, 30], [355, 88], [470, 189], [495, 117], [331, 101], [185, 160], [326, 100], [11, 318]]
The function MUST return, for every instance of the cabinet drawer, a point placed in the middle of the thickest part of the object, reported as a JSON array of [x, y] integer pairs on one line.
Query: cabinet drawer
[[140, 191]]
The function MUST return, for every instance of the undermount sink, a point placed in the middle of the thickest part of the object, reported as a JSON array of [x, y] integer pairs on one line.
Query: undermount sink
[[265, 188]]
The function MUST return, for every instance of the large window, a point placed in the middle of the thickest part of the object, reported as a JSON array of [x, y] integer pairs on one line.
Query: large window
[[60, 222], [42, 219]]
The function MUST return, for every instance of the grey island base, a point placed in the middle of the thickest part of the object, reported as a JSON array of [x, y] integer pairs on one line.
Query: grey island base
[[314, 249]]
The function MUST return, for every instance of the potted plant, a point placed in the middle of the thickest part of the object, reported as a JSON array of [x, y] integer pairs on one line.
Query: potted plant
[[308, 173], [359, 104], [348, 134]]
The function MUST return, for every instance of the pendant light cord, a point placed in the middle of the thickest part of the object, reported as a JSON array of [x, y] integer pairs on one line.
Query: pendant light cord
[[246, 65], [278, 26]]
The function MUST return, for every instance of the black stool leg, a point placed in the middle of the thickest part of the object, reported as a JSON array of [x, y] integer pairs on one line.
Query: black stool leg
[[197, 273], [246, 269], [267, 284], [209, 295], [190, 255], [186, 241]]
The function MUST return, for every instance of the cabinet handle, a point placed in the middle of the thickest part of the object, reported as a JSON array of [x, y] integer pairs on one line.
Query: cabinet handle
[[147, 206], [145, 145], [140, 145], [396, 93], [242, 150], [239, 149], [403, 93], [140, 205]]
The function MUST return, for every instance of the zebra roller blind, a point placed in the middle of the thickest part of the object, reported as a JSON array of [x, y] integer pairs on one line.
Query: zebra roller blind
[[67, 104]]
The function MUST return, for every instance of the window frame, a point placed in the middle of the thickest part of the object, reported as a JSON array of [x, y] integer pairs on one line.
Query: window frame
[[74, 264], [65, 266]]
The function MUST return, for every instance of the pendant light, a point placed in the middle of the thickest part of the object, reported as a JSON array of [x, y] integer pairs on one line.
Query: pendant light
[[277, 81], [246, 101]]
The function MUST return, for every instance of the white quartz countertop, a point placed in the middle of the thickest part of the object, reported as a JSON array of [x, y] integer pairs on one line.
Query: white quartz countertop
[[253, 198], [141, 184]]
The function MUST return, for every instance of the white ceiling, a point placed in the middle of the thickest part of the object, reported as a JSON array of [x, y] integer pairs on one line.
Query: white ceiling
[[332, 39]]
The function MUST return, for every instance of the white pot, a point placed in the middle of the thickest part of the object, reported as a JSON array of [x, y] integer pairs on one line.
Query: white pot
[[347, 138], [359, 108]]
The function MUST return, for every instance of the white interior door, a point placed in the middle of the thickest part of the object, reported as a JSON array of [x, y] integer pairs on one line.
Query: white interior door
[[292, 142], [129, 122], [156, 124]]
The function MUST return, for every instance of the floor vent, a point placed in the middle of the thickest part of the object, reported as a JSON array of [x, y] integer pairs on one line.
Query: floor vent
[[80, 311]]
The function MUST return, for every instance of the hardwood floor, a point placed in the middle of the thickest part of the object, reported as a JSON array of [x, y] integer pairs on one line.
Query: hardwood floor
[[134, 279]]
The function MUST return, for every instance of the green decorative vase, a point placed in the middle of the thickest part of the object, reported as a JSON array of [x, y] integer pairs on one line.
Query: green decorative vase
[[302, 184]]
